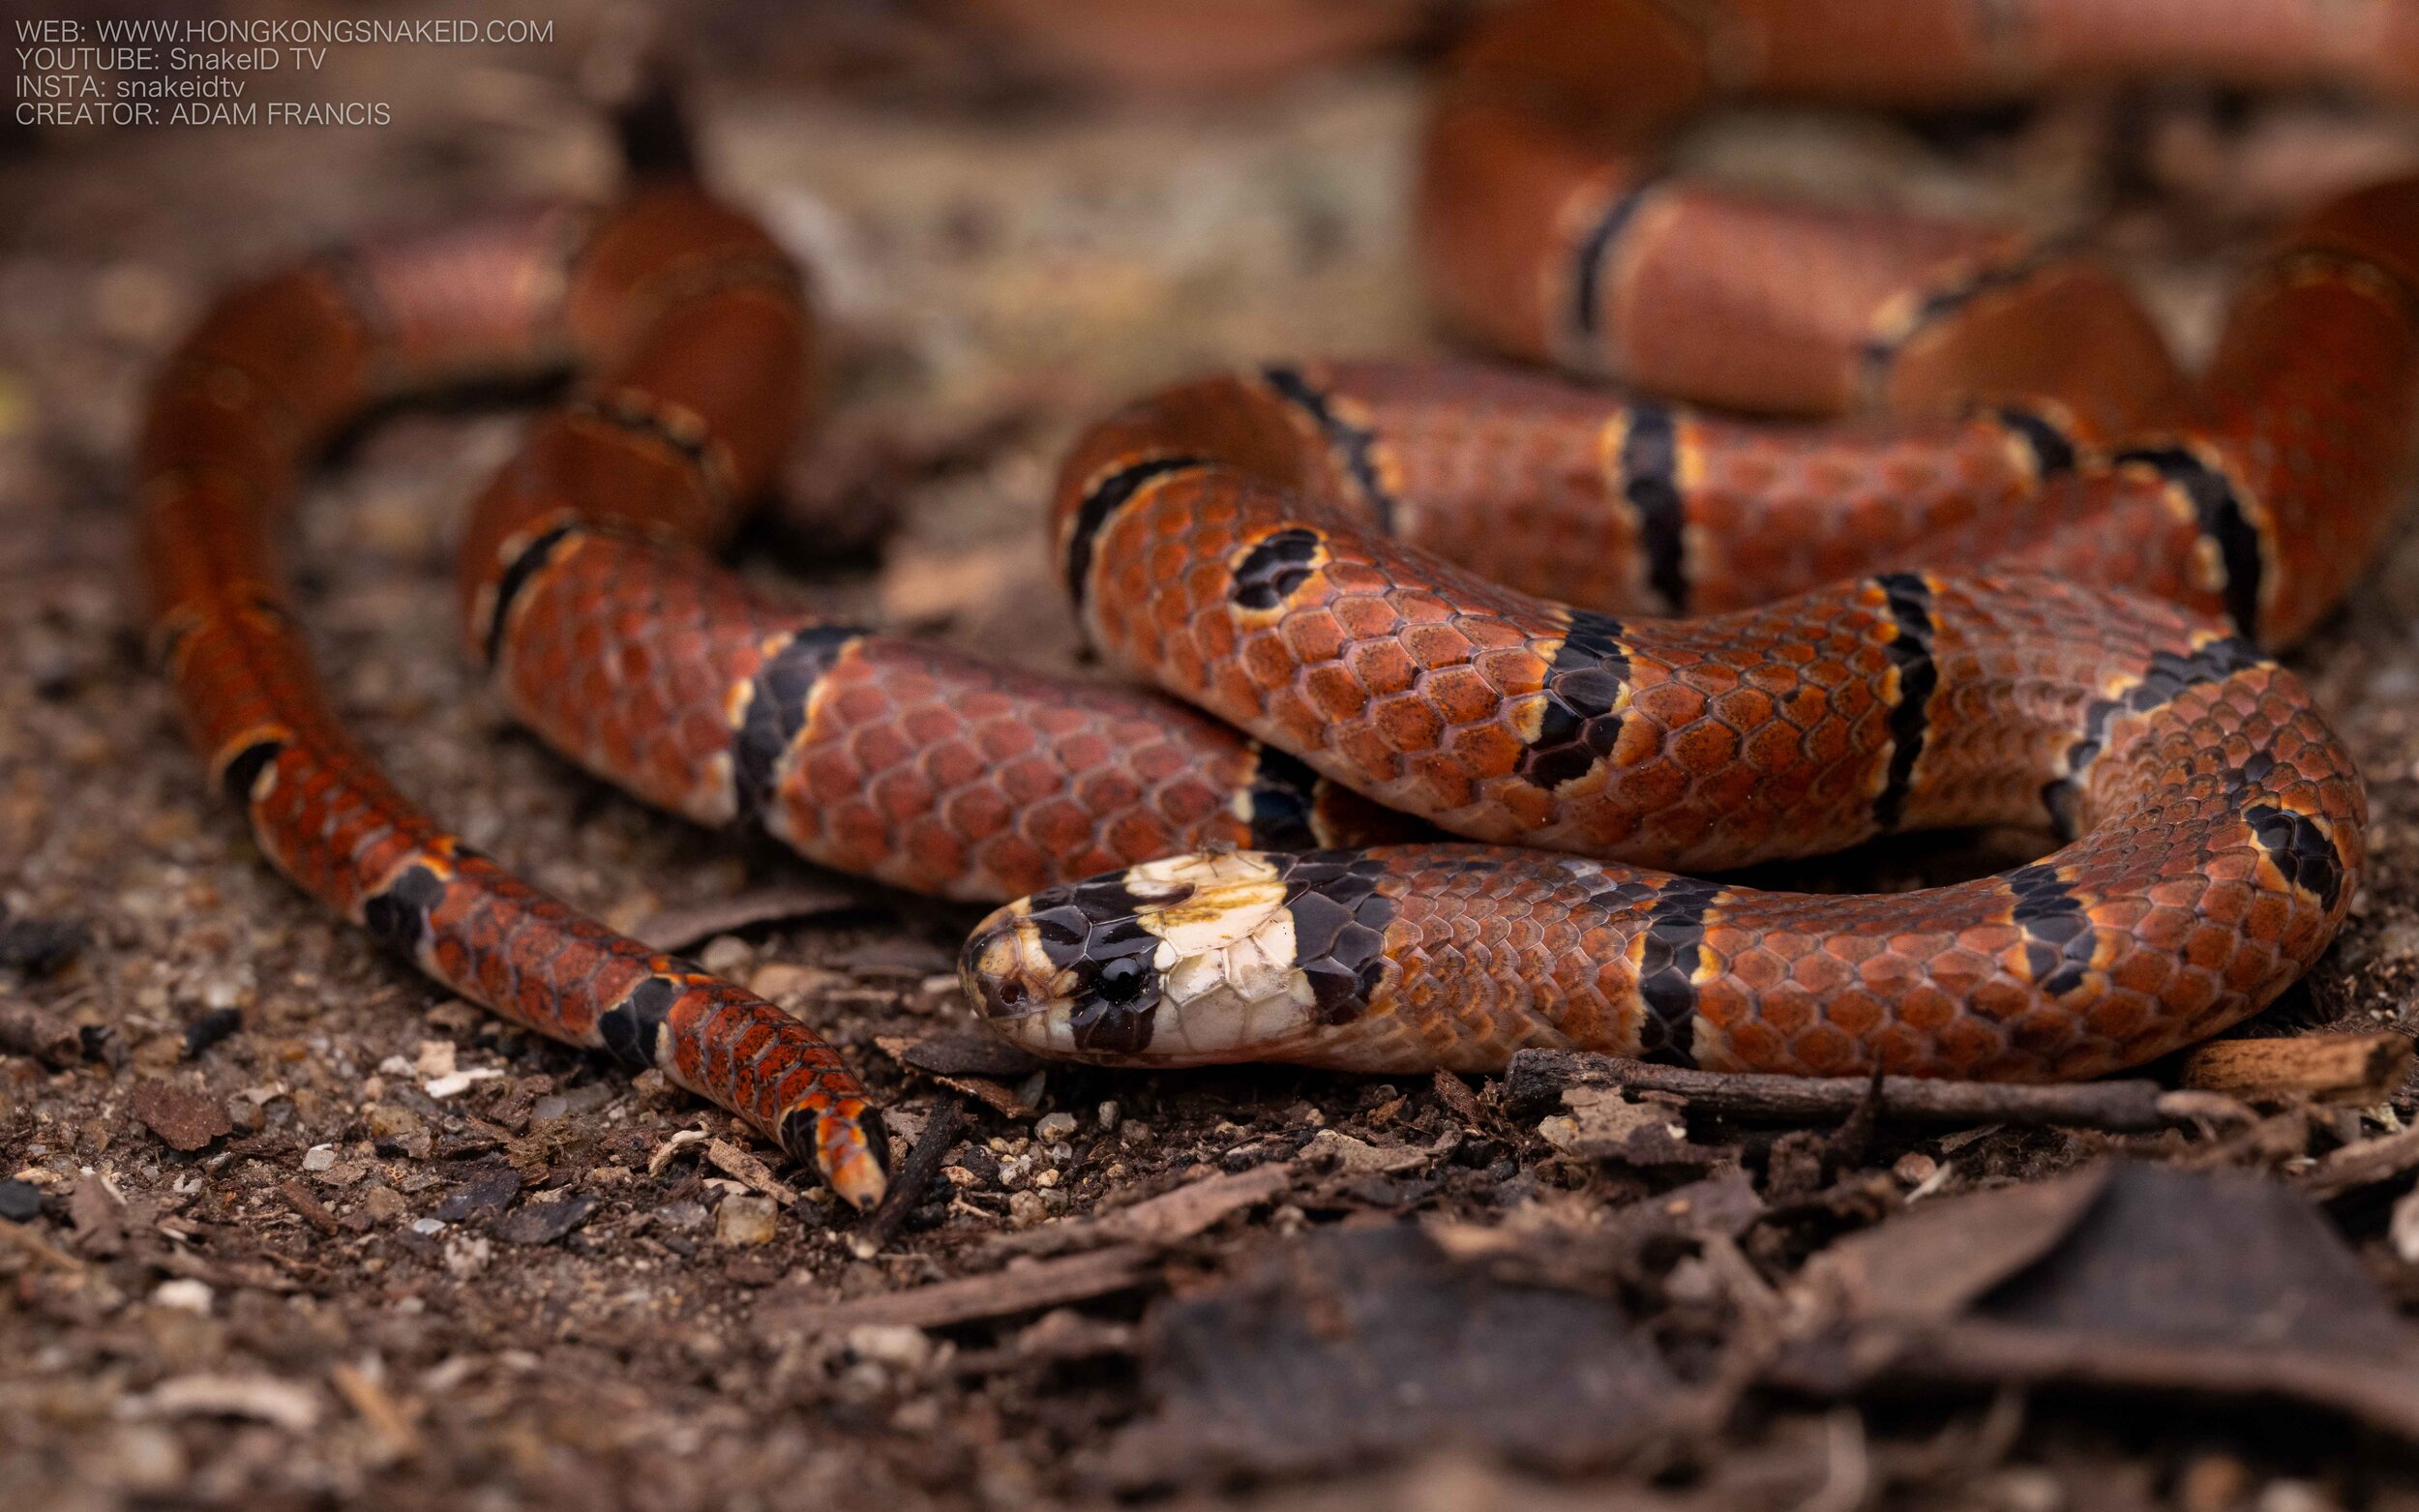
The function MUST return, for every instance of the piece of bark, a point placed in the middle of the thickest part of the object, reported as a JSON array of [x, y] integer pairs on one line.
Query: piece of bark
[[1351, 1344], [732, 1161], [2132, 1275], [680, 929], [1456, 1094], [1538, 1077], [182, 1120], [1602, 1124], [2357, 1069], [1931, 1261], [959, 1053], [1018, 1289]]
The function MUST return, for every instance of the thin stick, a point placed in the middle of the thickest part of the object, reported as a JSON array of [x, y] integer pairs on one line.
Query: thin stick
[[1537, 1077], [916, 1174]]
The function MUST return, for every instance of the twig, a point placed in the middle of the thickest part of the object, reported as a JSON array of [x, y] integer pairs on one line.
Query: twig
[[2359, 1069], [1026, 1287], [2365, 1164], [916, 1174], [1537, 1077]]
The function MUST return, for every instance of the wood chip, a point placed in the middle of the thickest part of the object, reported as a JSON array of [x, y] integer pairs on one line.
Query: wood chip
[[383, 1415], [266, 1398], [315, 1212], [1002, 1100], [666, 1152], [731, 1160], [1019, 1289], [957, 1053], [1456, 1094], [948, 1059], [2356, 1069]]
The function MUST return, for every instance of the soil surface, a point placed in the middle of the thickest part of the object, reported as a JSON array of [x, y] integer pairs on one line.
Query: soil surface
[[285, 1224]]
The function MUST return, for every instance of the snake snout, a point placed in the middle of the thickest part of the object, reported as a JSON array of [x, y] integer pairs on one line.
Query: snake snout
[[1003, 971]]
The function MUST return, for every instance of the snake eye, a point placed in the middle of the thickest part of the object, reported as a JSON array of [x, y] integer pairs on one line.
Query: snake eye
[[1122, 979]]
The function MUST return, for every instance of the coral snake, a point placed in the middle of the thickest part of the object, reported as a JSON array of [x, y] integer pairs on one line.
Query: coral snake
[[1957, 544]]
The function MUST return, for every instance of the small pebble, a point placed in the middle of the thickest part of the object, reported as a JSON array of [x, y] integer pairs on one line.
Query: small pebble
[[895, 1344], [426, 1226], [727, 956], [1050, 1127], [1915, 1168], [20, 1201], [681, 1215], [143, 1457], [319, 1157], [745, 1220], [1109, 1117], [1026, 1208], [193, 1296]]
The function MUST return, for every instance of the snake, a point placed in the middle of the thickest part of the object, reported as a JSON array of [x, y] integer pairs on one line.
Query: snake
[[1917, 564]]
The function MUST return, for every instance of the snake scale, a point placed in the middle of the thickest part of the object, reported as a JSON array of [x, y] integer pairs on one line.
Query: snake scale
[[1954, 543]]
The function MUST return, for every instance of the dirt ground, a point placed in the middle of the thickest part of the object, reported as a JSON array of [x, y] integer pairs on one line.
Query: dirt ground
[[424, 1259]]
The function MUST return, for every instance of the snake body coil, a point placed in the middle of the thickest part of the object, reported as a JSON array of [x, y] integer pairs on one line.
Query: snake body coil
[[1913, 620]]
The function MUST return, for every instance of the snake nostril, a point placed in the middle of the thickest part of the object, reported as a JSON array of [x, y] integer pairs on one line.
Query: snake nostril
[[1011, 995]]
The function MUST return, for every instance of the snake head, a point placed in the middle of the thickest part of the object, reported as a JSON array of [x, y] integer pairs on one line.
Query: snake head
[[1178, 961]]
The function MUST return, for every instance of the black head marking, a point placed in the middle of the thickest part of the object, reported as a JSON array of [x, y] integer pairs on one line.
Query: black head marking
[[1582, 686], [1091, 929], [1339, 928]]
